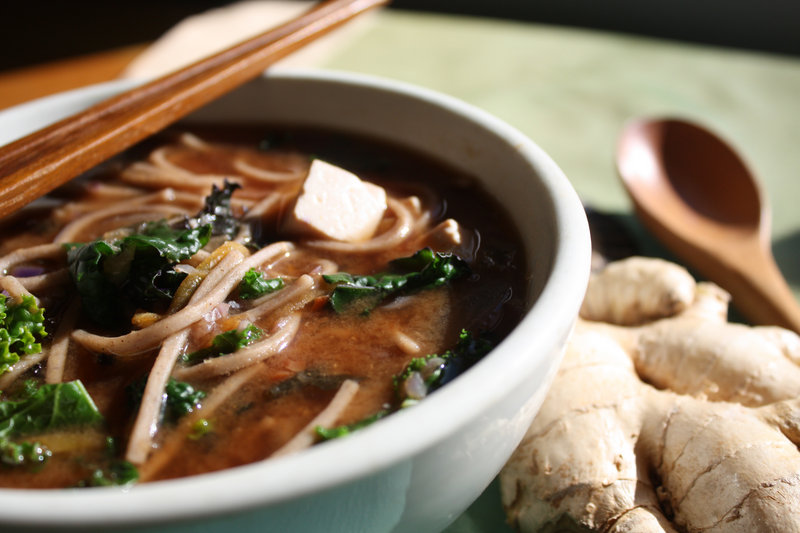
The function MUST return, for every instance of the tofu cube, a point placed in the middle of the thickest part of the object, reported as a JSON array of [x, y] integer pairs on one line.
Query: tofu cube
[[450, 236], [336, 204]]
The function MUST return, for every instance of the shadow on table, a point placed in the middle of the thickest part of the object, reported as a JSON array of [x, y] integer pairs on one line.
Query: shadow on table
[[787, 255], [486, 515], [629, 232]]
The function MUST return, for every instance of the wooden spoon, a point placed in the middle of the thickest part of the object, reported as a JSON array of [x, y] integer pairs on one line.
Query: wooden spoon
[[696, 195], [38, 163]]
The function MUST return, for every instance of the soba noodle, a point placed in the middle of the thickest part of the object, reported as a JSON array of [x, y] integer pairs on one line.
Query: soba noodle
[[306, 365]]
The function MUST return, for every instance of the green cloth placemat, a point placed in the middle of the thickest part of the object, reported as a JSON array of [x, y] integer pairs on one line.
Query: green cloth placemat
[[572, 91]]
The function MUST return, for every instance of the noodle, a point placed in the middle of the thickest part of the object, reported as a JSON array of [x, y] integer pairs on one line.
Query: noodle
[[215, 399], [265, 207], [159, 159], [42, 251], [326, 418], [192, 281], [14, 288], [270, 176], [45, 281], [146, 423], [244, 357], [150, 212], [406, 343], [57, 354], [204, 297], [151, 176], [106, 191], [324, 266], [193, 141], [20, 367], [299, 292], [137, 342]]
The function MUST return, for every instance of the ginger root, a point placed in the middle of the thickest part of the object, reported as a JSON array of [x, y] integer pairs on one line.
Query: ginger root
[[670, 419]]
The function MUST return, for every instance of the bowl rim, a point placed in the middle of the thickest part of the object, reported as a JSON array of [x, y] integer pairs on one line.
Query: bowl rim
[[365, 452]]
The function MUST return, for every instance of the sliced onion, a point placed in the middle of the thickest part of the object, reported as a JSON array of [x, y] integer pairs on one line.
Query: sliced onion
[[27, 271], [414, 386]]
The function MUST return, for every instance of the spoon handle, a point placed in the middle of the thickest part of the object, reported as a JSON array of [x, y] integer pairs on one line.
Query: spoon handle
[[763, 296], [758, 289]]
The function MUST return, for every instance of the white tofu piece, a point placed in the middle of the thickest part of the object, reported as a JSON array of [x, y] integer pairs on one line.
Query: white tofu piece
[[450, 236], [447, 235], [336, 204]]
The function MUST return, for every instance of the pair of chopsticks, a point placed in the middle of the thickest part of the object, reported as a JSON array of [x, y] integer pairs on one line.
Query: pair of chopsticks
[[38, 163]]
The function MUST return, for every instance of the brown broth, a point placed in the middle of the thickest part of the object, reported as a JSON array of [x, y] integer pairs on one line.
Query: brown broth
[[289, 388]]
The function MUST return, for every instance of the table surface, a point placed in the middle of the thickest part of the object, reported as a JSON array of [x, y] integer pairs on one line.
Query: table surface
[[569, 90]]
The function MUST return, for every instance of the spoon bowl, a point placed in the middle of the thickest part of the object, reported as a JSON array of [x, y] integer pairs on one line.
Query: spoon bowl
[[697, 195]]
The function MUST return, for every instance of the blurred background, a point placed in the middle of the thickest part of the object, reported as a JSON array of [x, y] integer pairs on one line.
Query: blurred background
[[38, 31]]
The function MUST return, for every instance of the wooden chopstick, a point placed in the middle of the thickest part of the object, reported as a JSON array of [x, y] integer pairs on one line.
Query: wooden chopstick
[[38, 163]]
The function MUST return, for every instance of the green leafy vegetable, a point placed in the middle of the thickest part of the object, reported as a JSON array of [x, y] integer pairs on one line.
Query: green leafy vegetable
[[254, 284], [27, 390], [39, 410], [424, 270], [51, 406], [23, 453], [116, 473], [21, 328], [200, 429], [112, 471], [425, 374], [217, 211], [181, 397], [225, 343], [137, 268], [344, 430], [116, 276]]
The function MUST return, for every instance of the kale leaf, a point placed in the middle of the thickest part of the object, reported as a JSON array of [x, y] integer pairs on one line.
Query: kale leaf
[[254, 284], [217, 211], [137, 271], [224, 343], [117, 472], [48, 407], [181, 397], [23, 454], [137, 268], [111, 470], [37, 410], [21, 328], [342, 431], [200, 429], [425, 269], [424, 375]]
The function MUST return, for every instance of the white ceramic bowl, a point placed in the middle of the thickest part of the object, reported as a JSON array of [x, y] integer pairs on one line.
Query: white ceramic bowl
[[417, 470]]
